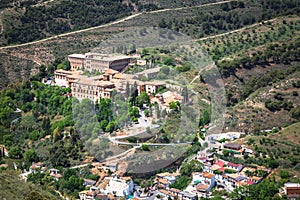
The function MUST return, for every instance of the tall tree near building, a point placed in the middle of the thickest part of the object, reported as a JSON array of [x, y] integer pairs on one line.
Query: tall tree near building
[[185, 94]]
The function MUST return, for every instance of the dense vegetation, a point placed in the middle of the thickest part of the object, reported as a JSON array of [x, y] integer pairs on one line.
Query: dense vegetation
[[12, 188], [228, 16], [31, 111], [47, 19], [65, 16], [70, 184]]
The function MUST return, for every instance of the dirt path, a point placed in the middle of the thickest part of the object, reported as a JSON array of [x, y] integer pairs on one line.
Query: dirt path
[[237, 30], [109, 24]]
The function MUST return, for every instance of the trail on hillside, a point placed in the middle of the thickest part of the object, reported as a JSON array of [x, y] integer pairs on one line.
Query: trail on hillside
[[109, 24]]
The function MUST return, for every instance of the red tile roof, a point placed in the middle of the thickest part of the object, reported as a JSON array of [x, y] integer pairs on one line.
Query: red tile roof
[[220, 163], [233, 164]]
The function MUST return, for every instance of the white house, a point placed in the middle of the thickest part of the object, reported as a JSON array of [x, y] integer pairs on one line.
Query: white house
[[122, 186]]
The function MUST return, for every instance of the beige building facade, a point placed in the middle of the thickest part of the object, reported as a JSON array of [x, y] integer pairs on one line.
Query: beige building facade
[[98, 62]]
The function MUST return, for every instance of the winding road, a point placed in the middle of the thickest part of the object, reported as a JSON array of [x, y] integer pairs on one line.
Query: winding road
[[109, 24]]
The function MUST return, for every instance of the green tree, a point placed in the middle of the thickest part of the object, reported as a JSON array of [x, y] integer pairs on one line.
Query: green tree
[[174, 105], [34, 135], [181, 182], [284, 174], [30, 156], [15, 152], [147, 113], [145, 147], [143, 98]]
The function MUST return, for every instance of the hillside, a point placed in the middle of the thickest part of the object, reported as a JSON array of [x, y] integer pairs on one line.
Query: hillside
[[254, 44], [12, 187], [243, 50], [29, 20], [282, 146]]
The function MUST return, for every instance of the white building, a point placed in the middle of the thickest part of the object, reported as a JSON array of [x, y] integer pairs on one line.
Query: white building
[[119, 187]]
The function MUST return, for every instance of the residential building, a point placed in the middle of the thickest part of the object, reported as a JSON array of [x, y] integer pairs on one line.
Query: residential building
[[204, 181], [236, 167], [122, 186], [61, 77], [93, 88], [92, 194], [163, 100], [88, 182], [152, 87], [55, 174], [37, 166], [233, 146], [187, 196], [98, 62], [165, 179], [292, 190]]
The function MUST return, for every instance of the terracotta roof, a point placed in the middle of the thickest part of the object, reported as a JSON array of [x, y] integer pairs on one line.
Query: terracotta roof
[[214, 167], [202, 187], [105, 83], [111, 71], [176, 174], [174, 190], [220, 163], [222, 169], [207, 175], [164, 191], [126, 178], [36, 165], [103, 184], [118, 76], [163, 181], [56, 175], [233, 164], [202, 158], [163, 174]]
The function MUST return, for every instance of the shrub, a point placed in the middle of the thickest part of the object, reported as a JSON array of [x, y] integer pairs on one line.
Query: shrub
[[230, 171], [284, 174]]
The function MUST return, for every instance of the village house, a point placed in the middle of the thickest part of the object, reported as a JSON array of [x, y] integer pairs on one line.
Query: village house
[[92, 194], [232, 146], [163, 100], [39, 166], [88, 182], [61, 77], [91, 88], [186, 196], [97, 62], [163, 180], [118, 186], [292, 190], [204, 181], [236, 167], [55, 174]]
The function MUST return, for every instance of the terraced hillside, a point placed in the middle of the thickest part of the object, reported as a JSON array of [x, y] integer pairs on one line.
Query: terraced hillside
[[251, 56], [29, 20]]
